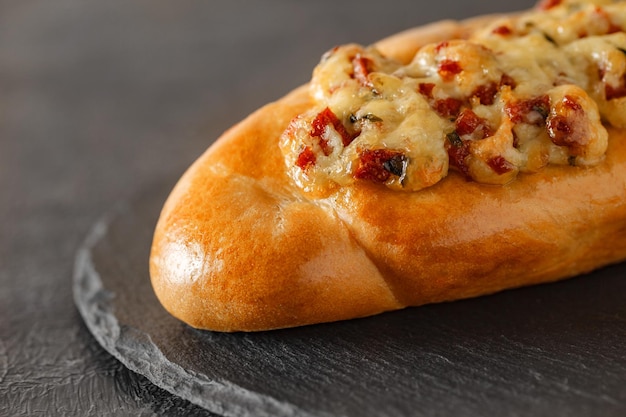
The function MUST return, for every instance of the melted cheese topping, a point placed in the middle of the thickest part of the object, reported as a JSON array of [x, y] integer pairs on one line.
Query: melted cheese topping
[[523, 93]]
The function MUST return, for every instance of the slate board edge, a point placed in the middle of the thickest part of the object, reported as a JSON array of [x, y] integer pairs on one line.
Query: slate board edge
[[94, 303]]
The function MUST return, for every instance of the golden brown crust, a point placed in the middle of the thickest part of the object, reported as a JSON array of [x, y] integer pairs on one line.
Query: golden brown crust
[[238, 247]]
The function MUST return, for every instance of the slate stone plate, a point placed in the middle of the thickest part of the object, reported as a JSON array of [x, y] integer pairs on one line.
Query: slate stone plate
[[551, 350]]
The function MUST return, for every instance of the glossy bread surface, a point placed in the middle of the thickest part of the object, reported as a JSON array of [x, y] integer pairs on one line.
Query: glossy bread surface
[[239, 247]]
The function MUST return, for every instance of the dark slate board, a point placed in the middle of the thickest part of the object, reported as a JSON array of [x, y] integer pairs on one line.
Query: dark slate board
[[551, 350]]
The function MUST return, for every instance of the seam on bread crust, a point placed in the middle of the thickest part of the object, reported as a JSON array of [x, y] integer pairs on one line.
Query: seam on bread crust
[[329, 205], [380, 266]]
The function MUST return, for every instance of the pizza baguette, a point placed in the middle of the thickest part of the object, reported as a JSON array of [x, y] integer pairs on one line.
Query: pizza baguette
[[321, 207]]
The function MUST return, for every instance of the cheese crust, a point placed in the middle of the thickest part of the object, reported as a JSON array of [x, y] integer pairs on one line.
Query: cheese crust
[[240, 246], [518, 94]]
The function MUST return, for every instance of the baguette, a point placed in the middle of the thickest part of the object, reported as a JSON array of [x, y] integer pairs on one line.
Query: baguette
[[241, 246]]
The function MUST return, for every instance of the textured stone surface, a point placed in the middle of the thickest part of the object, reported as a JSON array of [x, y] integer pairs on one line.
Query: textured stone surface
[[101, 99], [550, 350]]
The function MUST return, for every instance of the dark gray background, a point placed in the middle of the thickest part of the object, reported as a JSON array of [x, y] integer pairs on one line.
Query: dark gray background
[[100, 100]]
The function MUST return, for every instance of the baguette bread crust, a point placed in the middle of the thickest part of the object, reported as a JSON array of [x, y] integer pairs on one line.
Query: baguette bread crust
[[239, 247]]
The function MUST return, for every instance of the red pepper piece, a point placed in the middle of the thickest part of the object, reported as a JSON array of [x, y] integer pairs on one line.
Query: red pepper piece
[[378, 165], [327, 118], [306, 159], [469, 123], [500, 165], [448, 68]]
